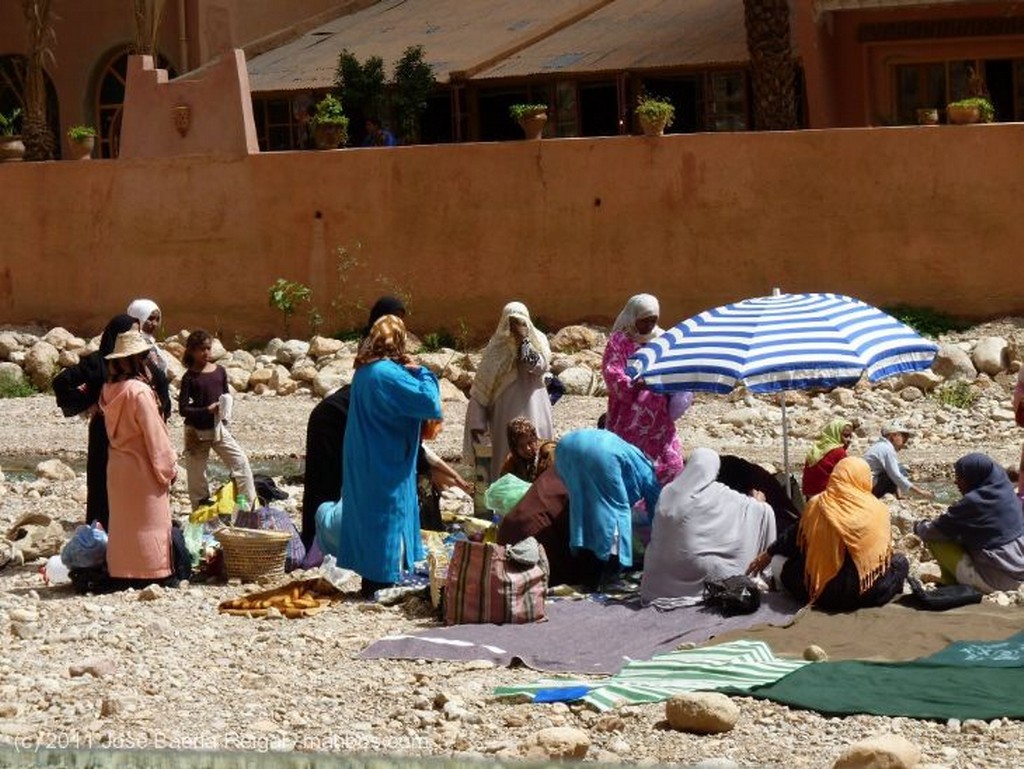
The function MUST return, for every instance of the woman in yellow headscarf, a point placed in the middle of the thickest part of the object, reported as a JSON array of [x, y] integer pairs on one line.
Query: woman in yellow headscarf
[[840, 556], [826, 452]]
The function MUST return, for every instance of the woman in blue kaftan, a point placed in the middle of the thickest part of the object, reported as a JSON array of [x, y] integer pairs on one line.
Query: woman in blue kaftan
[[390, 398], [605, 477]]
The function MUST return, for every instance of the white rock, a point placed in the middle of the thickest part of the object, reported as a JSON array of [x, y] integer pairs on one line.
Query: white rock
[[291, 351], [55, 470], [578, 380], [990, 355], [321, 346], [11, 372], [41, 364], [952, 362], [8, 344], [884, 751], [702, 712], [563, 742], [332, 376]]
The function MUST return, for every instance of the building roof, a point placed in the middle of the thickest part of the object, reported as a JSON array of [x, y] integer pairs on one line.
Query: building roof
[[457, 35], [633, 35]]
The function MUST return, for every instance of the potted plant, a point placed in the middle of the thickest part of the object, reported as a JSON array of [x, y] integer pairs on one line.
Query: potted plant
[[11, 146], [655, 114], [531, 118], [927, 116], [81, 140], [975, 109], [329, 124]]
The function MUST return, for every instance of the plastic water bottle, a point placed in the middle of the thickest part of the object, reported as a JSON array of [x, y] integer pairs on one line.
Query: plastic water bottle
[[55, 572]]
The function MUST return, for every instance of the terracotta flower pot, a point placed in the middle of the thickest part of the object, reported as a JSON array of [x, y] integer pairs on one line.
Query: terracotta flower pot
[[533, 124], [81, 149], [329, 137], [962, 115], [653, 126], [11, 148]]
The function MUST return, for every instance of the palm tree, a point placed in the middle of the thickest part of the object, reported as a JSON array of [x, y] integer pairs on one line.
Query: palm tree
[[35, 130], [772, 68]]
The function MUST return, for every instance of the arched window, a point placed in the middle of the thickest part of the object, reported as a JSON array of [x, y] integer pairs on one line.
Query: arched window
[[109, 100], [12, 89]]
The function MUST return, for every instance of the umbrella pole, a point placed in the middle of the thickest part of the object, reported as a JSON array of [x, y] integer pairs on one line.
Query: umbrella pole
[[785, 447]]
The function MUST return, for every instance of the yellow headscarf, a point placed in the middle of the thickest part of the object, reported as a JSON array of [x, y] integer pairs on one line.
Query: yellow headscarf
[[831, 438], [845, 518], [385, 340]]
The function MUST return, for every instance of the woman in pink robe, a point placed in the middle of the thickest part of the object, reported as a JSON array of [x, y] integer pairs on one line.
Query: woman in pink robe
[[140, 468], [636, 414]]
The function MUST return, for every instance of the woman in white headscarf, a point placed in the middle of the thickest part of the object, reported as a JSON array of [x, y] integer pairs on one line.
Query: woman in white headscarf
[[147, 313], [509, 383], [644, 418], [702, 530]]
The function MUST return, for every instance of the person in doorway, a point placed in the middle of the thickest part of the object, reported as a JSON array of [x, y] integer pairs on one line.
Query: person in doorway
[[141, 467], [377, 135], [509, 383], [887, 475], [840, 557], [826, 452], [391, 397], [636, 414], [199, 403], [979, 540]]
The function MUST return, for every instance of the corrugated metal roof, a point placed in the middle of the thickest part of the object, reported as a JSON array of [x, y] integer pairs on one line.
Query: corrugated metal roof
[[632, 35], [848, 5], [455, 34]]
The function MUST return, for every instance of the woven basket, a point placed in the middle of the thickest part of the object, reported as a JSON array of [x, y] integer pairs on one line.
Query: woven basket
[[252, 553]]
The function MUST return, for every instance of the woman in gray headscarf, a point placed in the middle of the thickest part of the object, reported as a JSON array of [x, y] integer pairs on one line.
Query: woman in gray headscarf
[[702, 530]]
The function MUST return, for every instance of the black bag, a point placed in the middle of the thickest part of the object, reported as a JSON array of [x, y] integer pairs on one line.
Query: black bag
[[732, 595], [942, 597]]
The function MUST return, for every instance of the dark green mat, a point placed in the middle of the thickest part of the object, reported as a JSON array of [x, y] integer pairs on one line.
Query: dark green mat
[[967, 679]]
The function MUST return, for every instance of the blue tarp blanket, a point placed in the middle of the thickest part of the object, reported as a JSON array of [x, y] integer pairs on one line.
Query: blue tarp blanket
[[967, 679]]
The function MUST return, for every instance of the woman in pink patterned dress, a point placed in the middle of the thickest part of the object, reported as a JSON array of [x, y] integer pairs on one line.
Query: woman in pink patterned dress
[[635, 413]]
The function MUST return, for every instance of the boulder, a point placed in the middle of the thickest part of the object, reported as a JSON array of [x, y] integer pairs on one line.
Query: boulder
[[843, 396], [578, 380], [175, 369], [332, 376], [238, 378], [172, 348], [41, 364], [12, 372], [741, 417], [59, 338], [560, 363], [563, 742], [291, 351], [8, 344], [701, 713], [925, 381], [322, 346], [304, 371], [575, 338], [911, 394], [279, 376], [437, 362], [272, 347], [952, 362], [883, 751], [242, 358], [55, 470], [67, 358], [217, 350], [450, 393], [991, 355], [262, 376], [592, 359]]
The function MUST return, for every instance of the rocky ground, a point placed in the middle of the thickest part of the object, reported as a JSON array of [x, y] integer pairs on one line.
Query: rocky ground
[[163, 669]]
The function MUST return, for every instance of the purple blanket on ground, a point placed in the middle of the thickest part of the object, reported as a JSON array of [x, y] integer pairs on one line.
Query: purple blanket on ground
[[580, 636]]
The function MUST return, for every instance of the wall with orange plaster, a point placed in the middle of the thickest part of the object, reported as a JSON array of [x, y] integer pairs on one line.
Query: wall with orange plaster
[[926, 216]]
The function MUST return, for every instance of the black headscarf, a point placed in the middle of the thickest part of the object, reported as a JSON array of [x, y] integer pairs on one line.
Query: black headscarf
[[117, 325], [386, 305], [990, 512]]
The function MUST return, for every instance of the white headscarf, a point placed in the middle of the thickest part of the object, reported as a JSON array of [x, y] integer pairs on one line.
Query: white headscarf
[[639, 306], [497, 369], [702, 530], [141, 309]]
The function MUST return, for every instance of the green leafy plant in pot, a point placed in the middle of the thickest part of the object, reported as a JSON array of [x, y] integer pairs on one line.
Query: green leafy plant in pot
[[81, 141], [11, 146], [329, 124], [976, 109], [531, 118], [655, 114]]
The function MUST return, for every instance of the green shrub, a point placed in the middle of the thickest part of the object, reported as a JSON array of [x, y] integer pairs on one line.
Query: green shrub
[[12, 387], [983, 105], [956, 394], [437, 340], [7, 121], [286, 296], [79, 133], [519, 111], [655, 108], [925, 320]]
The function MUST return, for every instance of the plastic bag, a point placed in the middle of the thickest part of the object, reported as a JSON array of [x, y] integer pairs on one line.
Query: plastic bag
[[87, 548], [732, 595], [678, 404], [505, 493], [223, 504]]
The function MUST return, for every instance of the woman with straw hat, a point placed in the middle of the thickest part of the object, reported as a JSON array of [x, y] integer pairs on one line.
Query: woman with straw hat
[[141, 466]]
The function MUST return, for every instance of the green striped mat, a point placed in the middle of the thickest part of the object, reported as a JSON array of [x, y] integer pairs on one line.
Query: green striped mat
[[736, 665]]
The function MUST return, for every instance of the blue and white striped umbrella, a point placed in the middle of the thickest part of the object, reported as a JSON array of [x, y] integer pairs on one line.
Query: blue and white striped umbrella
[[781, 342]]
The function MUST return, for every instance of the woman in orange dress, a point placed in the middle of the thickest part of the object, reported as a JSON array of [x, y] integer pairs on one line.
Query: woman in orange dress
[[140, 468]]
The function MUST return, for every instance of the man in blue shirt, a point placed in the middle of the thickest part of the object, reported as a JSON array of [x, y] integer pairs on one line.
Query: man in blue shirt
[[887, 476]]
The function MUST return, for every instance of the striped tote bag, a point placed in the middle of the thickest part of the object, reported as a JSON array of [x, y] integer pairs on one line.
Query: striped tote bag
[[485, 585]]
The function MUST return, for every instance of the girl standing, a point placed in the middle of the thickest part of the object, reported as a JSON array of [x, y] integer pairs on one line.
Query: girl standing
[[199, 404]]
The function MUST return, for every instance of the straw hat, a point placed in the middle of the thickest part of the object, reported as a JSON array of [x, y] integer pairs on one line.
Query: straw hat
[[128, 344]]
